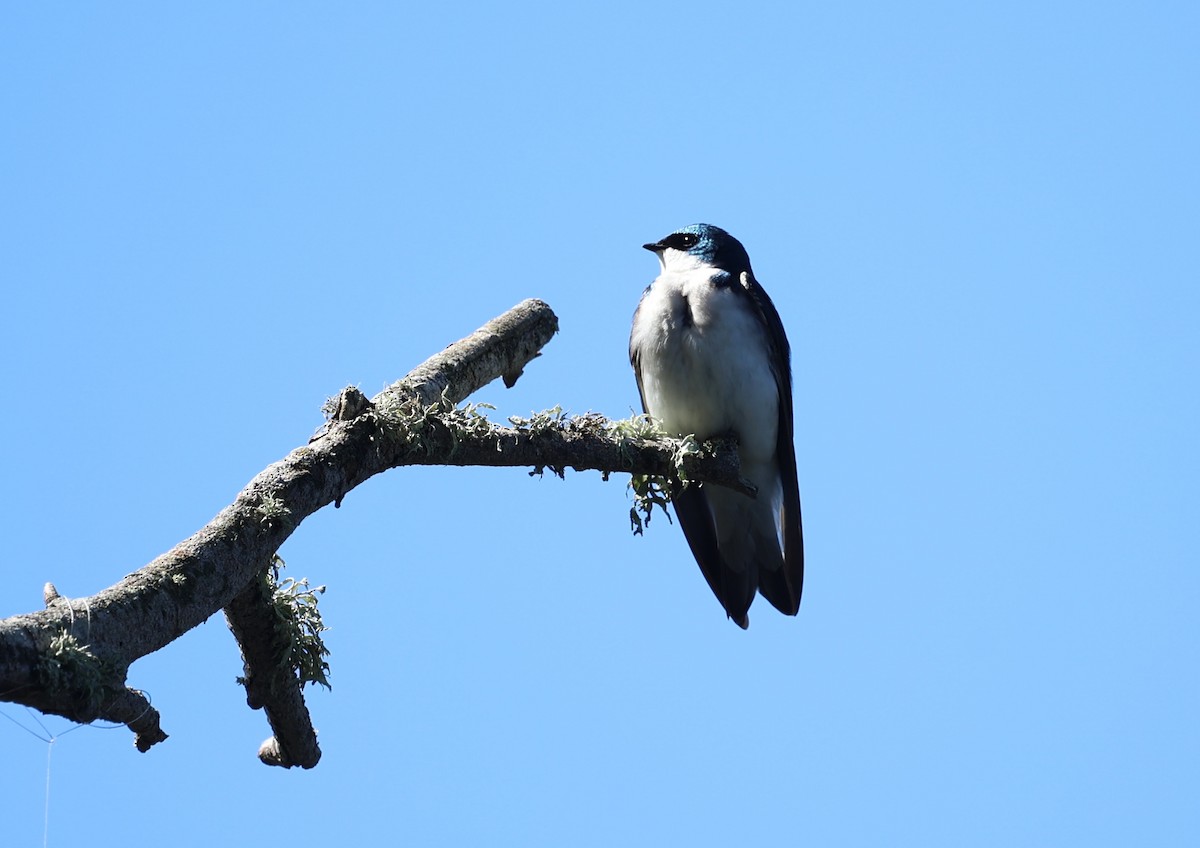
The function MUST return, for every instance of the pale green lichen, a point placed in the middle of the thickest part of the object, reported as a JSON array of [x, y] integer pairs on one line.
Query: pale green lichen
[[272, 510], [539, 423], [630, 432], [685, 448], [649, 491], [298, 623], [544, 423], [654, 490], [416, 425], [70, 667], [330, 407], [468, 421]]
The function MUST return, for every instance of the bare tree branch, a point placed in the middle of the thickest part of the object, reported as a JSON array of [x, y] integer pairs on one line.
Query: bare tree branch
[[72, 658], [271, 684]]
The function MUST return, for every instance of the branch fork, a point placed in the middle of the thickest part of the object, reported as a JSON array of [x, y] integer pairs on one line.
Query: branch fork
[[46, 662]]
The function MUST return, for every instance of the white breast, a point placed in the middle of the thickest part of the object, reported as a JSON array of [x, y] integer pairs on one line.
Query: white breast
[[705, 364]]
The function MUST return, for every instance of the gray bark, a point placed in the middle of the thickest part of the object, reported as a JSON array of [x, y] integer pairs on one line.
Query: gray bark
[[72, 658]]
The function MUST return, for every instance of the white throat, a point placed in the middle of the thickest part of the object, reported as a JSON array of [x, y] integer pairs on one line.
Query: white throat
[[674, 261]]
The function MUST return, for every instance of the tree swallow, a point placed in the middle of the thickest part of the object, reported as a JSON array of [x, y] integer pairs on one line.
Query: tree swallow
[[712, 359]]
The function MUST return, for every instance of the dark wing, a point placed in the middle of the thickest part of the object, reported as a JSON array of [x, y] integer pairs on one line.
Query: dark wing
[[735, 590], [782, 587]]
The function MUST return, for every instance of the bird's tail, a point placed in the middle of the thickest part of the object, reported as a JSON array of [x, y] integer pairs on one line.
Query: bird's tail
[[782, 586]]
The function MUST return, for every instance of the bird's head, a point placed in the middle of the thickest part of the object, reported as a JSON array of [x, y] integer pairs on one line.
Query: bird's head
[[700, 245]]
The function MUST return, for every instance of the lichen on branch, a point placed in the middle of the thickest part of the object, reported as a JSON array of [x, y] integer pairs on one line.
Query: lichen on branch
[[419, 420]]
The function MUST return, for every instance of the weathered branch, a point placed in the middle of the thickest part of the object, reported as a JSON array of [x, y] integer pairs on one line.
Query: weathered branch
[[271, 684], [71, 659], [583, 443]]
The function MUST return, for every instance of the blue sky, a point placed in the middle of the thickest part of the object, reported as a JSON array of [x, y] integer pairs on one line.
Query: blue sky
[[980, 228]]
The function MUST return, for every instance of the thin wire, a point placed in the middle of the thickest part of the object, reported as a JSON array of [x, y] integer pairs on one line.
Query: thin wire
[[26, 729], [88, 606], [46, 825], [149, 707], [58, 736], [50, 738], [34, 716]]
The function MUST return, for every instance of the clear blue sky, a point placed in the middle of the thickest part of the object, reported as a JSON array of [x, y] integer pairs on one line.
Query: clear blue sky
[[980, 226]]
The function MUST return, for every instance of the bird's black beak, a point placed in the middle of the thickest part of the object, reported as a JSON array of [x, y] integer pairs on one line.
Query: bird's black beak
[[654, 246]]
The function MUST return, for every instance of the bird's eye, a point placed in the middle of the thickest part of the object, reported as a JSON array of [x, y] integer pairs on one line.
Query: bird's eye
[[681, 241]]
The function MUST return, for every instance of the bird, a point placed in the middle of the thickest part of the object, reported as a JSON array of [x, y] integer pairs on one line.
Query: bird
[[712, 359]]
